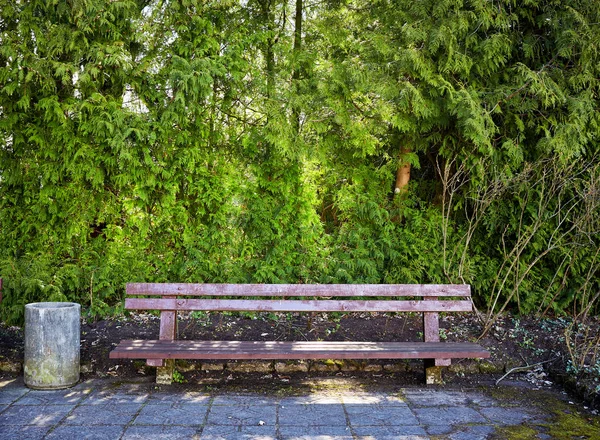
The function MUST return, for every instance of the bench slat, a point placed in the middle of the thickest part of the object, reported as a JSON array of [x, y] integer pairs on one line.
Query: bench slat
[[183, 349], [327, 290], [237, 305]]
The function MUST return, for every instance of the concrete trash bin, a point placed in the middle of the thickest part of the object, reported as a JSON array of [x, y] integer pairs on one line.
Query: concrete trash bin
[[51, 345]]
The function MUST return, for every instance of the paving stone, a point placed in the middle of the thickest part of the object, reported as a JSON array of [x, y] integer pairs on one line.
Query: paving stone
[[392, 437], [23, 432], [117, 397], [439, 429], [241, 399], [239, 432], [451, 415], [9, 394], [247, 415], [390, 432], [473, 432], [315, 432], [107, 414], [89, 384], [446, 398], [312, 399], [185, 397], [507, 416], [172, 414], [312, 415], [71, 432], [55, 397], [161, 433], [379, 415], [39, 415], [373, 398]]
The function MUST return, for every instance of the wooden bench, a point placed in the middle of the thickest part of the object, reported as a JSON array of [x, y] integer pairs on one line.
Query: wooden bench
[[173, 298]]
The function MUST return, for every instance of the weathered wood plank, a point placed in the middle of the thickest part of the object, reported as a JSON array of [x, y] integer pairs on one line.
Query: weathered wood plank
[[168, 325], [233, 305], [326, 290], [431, 324], [431, 332], [183, 349]]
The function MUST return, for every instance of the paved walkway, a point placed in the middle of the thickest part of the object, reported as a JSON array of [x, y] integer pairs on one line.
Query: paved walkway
[[102, 409]]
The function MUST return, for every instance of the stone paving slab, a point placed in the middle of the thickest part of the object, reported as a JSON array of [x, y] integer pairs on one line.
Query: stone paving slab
[[96, 432], [23, 432], [182, 397], [290, 432], [446, 398], [160, 432], [448, 415], [379, 415], [58, 397], [236, 399], [232, 432], [386, 432], [172, 414], [102, 397], [312, 415], [107, 410], [10, 394], [243, 415], [472, 432], [373, 399], [106, 414], [41, 415]]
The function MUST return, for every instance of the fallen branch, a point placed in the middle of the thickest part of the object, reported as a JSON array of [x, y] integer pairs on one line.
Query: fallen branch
[[524, 368]]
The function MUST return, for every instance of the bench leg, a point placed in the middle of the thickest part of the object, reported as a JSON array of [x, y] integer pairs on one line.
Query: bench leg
[[164, 375], [433, 373]]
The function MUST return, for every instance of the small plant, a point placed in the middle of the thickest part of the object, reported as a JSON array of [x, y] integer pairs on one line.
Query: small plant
[[203, 318], [329, 331], [443, 334], [178, 377]]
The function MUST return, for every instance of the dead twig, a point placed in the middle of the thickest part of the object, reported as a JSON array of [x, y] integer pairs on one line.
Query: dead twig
[[524, 368]]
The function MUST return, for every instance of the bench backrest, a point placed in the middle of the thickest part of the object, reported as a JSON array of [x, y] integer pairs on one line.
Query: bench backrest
[[286, 297], [170, 298]]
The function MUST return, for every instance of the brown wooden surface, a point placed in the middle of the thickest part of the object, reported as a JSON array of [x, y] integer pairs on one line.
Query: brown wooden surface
[[431, 324], [183, 349], [431, 331], [326, 290], [168, 325], [233, 305]]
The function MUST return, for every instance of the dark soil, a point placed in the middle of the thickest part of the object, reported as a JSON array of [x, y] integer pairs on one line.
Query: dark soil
[[513, 342]]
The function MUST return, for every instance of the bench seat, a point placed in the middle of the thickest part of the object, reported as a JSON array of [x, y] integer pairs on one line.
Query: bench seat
[[185, 349]]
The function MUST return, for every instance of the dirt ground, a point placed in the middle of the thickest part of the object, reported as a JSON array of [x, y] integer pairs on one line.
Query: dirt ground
[[513, 342]]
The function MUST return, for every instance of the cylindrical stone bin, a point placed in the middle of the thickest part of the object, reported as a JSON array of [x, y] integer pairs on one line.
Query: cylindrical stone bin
[[51, 345]]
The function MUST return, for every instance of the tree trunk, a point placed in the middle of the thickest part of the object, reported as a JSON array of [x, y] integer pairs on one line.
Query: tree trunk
[[269, 21], [403, 173], [297, 68]]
